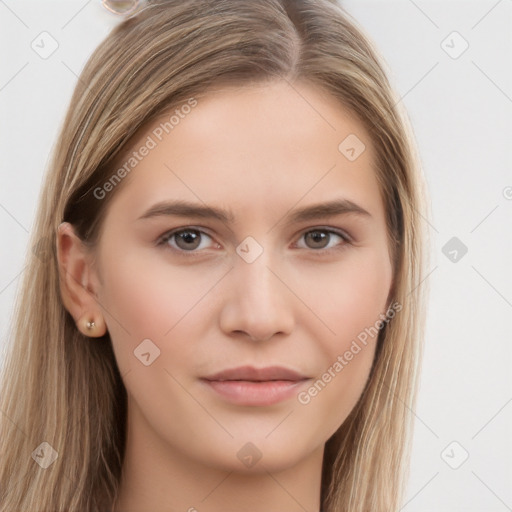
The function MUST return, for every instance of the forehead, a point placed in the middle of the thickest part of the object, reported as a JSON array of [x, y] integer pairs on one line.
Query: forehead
[[253, 145]]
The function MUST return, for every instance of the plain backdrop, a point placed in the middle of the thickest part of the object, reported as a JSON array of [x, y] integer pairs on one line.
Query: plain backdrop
[[451, 62]]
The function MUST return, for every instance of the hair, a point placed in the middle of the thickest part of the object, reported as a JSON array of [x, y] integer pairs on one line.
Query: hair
[[63, 388]]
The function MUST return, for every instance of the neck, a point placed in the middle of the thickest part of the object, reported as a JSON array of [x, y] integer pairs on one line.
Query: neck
[[159, 478]]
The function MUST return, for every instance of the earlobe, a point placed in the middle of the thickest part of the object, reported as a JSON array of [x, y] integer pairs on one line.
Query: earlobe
[[92, 325], [78, 283]]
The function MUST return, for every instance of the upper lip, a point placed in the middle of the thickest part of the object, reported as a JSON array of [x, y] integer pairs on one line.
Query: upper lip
[[249, 373]]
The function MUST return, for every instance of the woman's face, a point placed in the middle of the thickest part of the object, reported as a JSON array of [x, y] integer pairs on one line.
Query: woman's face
[[261, 277]]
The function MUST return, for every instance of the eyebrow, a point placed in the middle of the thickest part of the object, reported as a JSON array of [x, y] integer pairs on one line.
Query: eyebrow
[[182, 208]]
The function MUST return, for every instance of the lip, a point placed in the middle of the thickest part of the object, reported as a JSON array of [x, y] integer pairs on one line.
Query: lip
[[257, 374], [247, 385]]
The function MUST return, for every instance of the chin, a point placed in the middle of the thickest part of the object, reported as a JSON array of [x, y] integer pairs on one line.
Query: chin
[[258, 454]]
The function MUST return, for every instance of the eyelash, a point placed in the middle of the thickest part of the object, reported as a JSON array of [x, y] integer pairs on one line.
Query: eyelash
[[163, 239]]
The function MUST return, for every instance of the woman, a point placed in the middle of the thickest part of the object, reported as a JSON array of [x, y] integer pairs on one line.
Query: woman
[[223, 310]]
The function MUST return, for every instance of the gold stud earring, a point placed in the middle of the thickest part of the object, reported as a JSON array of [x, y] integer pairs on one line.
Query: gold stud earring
[[90, 325]]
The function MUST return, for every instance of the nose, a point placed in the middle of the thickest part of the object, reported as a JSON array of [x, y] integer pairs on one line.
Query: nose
[[259, 304]]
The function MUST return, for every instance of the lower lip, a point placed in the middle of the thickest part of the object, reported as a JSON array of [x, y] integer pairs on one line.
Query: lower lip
[[243, 392]]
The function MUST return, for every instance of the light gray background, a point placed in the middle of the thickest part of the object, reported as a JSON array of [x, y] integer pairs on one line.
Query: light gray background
[[461, 112]]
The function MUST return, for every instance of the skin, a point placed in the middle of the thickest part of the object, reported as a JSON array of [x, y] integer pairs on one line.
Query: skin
[[262, 151]]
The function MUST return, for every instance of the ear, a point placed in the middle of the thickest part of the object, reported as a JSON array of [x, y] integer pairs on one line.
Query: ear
[[78, 281]]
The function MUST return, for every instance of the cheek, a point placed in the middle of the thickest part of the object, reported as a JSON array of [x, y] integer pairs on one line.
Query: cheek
[[133, 300], [362, 296], [348, 297], [350, 302], [334, 393], [148, 298]]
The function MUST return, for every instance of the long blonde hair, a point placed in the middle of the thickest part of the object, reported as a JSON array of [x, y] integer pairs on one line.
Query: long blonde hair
[[61, 388]]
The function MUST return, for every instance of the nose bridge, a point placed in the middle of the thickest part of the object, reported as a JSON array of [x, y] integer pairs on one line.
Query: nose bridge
[[260, 305], [256, 280], [258, 286]]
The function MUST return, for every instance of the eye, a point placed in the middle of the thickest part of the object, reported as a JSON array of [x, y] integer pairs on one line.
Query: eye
[[321, 238], [192, 240], [185, 240]]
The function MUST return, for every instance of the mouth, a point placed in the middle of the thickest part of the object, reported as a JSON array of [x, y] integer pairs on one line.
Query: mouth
[[249, 373], [251, 386]]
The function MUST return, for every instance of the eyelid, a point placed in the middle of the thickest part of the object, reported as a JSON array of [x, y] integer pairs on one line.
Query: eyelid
[[347, 240], [328, 229], [162, 239]]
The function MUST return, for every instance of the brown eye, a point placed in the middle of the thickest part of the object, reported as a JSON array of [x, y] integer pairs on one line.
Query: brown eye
[[185, 240], [188, 239], [317, 239], [323, 238]]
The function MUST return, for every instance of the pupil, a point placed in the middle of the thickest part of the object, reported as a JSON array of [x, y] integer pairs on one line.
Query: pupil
[[318, 237], [188, 237]]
